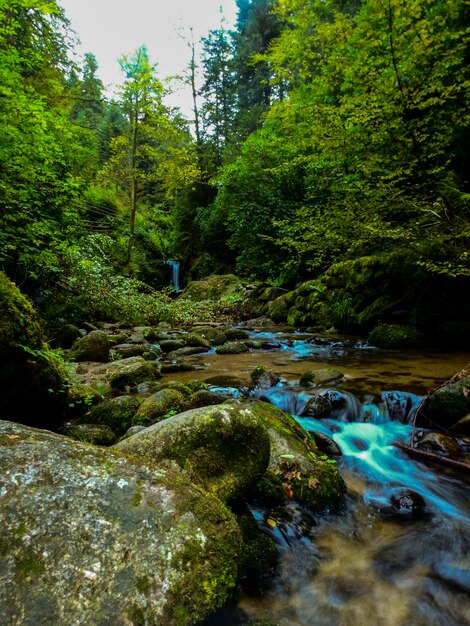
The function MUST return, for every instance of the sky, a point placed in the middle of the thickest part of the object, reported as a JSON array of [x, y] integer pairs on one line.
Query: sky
[[111, 28]]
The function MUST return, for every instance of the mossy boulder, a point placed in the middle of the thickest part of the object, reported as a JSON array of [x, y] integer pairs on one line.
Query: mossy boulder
[[173, 384], [440, 444], [197, 341], [396, 337], [259, 555], [129, 375], [67, 335], [91, 347], [92, 537], [97, 434], [214, 336], [117, 413], [81, 398], [170, 345], [158, 405], [224, 288], [297, 471], [315, 378], [317, 407], [225, 448], [447, 405], [204, 397], [232, 347], [19, 325], [185, 352], [236, 334], [263, 376], [278, 309], [126, 350], [31, 376]]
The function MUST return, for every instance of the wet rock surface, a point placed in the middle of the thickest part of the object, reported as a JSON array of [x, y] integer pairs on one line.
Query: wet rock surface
[[91, 537], [224, 448]]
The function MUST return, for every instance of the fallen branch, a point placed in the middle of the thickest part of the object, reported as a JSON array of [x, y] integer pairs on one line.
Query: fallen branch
[[431, 456]]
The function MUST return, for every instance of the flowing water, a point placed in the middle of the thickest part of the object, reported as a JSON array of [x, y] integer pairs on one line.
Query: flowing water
[[374, 563]]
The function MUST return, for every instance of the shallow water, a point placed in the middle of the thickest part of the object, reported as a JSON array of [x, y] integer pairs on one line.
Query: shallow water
[[370, 564], [368, 370]]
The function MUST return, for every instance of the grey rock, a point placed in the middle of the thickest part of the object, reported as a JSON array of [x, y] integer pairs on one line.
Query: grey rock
[[92, 537]]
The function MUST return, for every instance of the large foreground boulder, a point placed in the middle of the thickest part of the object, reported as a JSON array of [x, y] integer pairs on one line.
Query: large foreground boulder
[[91, 537], [30, 375], [224, 448]]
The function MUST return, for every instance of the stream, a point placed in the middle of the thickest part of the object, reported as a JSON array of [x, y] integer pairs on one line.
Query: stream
[[372, 563]]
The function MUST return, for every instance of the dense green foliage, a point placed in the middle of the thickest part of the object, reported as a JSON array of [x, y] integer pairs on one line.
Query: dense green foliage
[[330, 144]]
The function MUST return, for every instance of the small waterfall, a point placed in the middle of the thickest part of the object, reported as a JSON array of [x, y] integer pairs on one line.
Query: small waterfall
[[175, 274]]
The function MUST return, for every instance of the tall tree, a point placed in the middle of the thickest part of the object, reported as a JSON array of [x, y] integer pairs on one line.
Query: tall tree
[[257, 26], [37, 140], [155, 157], [218, 91]]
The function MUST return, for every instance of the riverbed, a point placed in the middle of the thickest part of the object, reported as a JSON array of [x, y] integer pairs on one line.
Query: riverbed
[[369, 564]]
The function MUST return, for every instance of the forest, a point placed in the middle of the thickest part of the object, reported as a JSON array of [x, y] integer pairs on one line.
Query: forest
[[280, 435], [328, 144]]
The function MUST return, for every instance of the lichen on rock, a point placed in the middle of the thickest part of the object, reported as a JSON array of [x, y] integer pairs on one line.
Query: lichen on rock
[[92, 537], [224, 448]]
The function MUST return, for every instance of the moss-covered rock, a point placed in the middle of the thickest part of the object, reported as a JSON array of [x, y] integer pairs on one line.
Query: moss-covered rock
[[224, 448], [447, 405], [117, 413], [131, 542], [97, 434], [204, 397], [158, 405], [236, 334], [31, 376], [67, 335], [439, 443], [317, 407], [173, 384], [224, 288], [396, 337], [126, 350], [315, 378], [91, 347], [215, 336], [263, 376], [129, 375], [259, 555], [19, 324], [278, 309], [170, 345], [196, 385], [185, 352], [197, 341], [295, 463], [232, 347], [81, 398]]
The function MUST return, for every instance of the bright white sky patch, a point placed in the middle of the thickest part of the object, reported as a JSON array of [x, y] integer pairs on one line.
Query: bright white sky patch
[[111, 28]]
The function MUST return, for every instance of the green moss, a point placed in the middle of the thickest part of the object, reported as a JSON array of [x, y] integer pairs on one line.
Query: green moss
[[304, 474], [269, 490], [259, 554], [154, 408], [116, 413], [448, 405], [18, 320], [398, 337]]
